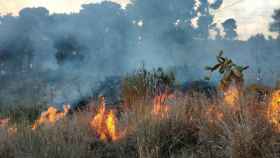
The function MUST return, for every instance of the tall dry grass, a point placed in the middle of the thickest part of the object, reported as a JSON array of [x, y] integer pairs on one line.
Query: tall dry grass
[[194, 127]]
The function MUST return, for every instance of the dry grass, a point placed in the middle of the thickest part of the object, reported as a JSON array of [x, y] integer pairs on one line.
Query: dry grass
[[189, 130], [143, 84]]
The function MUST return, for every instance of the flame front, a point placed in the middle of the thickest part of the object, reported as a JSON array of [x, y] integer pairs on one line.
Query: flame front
[[111, 125], [160, 108], [273, 112], [51, 116], [105, 123], [231, 96]]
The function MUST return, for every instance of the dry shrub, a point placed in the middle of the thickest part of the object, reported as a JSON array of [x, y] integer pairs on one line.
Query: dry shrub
[[18, 113], [6, 144], [144, 84], [244, 133], [192, 128], [166, 136]]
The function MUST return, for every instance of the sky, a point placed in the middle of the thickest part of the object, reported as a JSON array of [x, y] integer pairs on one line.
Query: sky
[[252, 16]]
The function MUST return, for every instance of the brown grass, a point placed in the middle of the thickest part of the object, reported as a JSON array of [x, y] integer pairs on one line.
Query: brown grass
[[189, 130]]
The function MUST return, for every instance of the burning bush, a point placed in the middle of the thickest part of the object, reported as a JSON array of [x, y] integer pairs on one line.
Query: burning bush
[[273, 112], [160, 107], [196, 125], [232, 96], [105, 123], [51, 116]]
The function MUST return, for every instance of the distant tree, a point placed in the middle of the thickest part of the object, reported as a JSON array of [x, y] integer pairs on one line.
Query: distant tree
[[164, 26], [230, 29], [205, 21], [18, 37], [32, 19], [16, 56], [204, 24], [34, 13], [258, 48], [216, 4], [160, 16], [68, 49], [164, 11], [106, 36], [275, 26]]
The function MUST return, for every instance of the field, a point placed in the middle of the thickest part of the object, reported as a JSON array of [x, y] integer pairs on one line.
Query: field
[[176, 125], [139, 79]]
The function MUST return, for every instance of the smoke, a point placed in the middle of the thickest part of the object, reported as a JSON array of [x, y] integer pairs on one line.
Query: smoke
[[70, 53]]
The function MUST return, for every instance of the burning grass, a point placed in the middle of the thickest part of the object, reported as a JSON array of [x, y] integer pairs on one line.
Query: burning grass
[[231, 96], [105, 123], [51, 116], [160, 107], [273, 112], [191, 126]]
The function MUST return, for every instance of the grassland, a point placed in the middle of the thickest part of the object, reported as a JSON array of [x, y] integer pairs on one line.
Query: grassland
[[194, 126]]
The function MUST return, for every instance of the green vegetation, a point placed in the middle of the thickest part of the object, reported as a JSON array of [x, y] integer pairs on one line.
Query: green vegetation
[[231, 72]]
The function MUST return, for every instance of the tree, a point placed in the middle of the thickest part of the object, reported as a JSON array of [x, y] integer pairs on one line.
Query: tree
[[165, 27], [275, 26], [165, 11], [216, 4], [230, 29], [205, 18], [160, 16], [68, 49], [16, 56], [106, 38]]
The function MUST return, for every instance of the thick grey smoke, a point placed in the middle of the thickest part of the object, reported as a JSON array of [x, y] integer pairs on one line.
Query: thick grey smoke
[[67, 54]]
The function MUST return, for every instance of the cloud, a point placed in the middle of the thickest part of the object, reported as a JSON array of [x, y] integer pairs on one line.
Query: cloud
[[252, 16], [12, 6]]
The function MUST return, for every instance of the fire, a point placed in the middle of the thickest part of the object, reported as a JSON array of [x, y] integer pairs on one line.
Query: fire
[[12, 131], [105, 123], [273, 112], [231, 96], [51, 116], [160, 108]]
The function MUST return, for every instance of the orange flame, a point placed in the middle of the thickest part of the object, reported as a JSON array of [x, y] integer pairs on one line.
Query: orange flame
[[12, 131], [160, 108], [231, 96], [105, 123], [51, 116], [273, 112]]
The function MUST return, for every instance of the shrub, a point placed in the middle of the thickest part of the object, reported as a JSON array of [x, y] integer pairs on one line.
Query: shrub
[[143, 84], [18, 113]]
